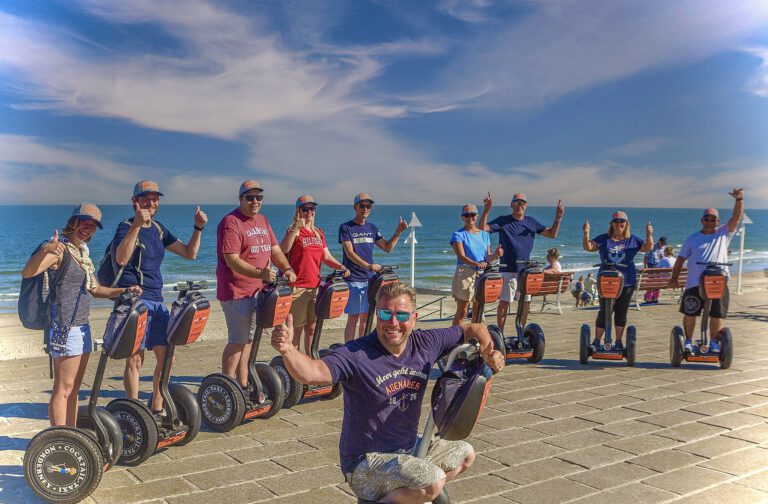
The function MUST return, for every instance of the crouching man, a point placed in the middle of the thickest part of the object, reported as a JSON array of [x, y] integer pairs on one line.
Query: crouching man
[[384, 376]]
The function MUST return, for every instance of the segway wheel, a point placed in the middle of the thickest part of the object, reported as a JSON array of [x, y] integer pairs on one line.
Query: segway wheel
[[222, 403], [535, 336], [273, 387], [85, 422], [188, 410], [584, 344], [631, 348], [63, 464], [334, 346], [726, 348], [498, 338], [442, 498], [676, 342], [139, 430], [293, 390]]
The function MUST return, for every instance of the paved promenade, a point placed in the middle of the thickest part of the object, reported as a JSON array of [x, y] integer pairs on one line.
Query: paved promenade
[[552, 432]]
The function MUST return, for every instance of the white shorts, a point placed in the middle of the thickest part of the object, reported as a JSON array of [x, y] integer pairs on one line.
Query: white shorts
[[510, 286]]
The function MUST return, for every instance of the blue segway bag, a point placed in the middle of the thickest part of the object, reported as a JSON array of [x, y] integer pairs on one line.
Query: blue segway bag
[[459, 397], [126, 326]]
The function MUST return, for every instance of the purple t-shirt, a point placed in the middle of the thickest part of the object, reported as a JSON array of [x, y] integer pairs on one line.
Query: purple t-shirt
[[383, 393], [363, 238], [516, 238], [620, 252]]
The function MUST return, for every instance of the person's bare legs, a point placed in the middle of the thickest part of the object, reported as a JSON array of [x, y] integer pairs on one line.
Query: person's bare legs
[[431, 492], [715, 324], [62, 408], [501, 314], [309, 333], [351, 327], [233, 364], [132, 373], [461, 311], [361, 320], [689, 324]]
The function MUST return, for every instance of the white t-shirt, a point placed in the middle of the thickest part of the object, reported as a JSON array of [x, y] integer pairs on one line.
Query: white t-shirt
[[666, 262], [700, 247]]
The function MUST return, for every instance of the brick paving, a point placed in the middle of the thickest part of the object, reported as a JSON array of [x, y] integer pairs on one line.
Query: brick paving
[[552, 432]]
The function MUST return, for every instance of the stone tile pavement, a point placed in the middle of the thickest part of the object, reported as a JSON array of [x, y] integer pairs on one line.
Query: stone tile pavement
[[552, 432]]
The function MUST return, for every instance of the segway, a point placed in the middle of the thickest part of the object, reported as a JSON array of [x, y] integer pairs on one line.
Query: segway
[[178, 423], [529, 342], [712, 285], [610, 282], [331, 300], [224, 403], [384, 276], [457, 400], [65, 464]]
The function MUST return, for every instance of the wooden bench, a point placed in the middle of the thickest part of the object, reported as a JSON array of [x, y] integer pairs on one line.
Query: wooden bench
[[554, 284], [656, 278]]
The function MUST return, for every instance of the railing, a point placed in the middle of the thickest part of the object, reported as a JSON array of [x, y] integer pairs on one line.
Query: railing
[[439, 310]]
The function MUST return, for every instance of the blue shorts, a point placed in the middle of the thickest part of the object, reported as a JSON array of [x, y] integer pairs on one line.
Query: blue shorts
[[157, 325], [77, 342], [358, 298]]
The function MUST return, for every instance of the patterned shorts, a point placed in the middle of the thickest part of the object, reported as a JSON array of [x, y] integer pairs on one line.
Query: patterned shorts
[[380, 473]]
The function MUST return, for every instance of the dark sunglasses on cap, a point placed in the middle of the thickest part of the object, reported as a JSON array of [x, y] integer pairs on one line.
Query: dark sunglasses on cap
[[251, 197], [386, 315]]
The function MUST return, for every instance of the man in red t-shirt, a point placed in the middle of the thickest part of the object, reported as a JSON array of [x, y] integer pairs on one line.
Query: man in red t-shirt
[[305, 245], [245, 244]]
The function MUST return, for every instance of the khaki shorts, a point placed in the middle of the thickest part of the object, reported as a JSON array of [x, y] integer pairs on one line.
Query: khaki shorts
[[509, 290], [463, 287], [240, 315], [303, 307], [380, 473]]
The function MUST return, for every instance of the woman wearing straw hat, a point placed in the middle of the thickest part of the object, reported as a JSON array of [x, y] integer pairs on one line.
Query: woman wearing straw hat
[[618, 246], [305, 247], [68, 338]]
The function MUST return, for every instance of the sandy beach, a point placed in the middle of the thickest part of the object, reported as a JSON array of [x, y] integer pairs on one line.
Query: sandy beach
[[552, 432]]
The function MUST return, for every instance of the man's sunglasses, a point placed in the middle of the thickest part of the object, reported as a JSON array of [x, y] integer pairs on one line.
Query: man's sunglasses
[[364, 206], [709, 219], [469, 215], [252, 197], [386, 315]]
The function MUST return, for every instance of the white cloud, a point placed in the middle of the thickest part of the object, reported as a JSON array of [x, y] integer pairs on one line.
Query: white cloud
[[638, 147], [758, 84]]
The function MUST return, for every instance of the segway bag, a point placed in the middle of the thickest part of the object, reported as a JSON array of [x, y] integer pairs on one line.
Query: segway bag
[[489, 286], [273, 304], [332, 298], [384, 277], [188, 318], [459, 397], [126, 326]]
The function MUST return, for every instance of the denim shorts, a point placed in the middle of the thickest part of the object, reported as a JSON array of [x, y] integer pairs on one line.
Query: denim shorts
[[157, 325], [358, 298], [380, 473], [78, 342]]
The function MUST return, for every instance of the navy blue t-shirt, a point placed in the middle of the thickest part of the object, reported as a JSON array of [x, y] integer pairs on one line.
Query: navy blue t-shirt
[[383, 393], [151, 258], [516, 238], [363, 238], [620, 252]]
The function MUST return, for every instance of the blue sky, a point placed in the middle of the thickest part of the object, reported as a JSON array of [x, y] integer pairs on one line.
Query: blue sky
[[600, 103]]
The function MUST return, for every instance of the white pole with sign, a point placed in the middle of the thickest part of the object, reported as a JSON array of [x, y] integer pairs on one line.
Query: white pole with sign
[[742, 231], [412, 240]]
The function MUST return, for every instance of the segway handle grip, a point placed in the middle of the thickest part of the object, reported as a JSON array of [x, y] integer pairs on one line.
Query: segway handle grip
[[188, 285], [714, 263], [609, 264]]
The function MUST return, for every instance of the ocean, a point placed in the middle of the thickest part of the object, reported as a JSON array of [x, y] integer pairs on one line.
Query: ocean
[[23, 227]]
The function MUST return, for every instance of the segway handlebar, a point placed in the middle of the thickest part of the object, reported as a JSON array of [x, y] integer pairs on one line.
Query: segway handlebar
[[188, 285], [714, 263], [609, 264]]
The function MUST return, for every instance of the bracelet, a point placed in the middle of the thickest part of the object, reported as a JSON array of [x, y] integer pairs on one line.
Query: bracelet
[[288, 269], [199, 228], [739, 199]]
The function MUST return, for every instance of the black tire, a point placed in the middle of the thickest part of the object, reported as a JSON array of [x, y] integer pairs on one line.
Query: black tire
[[292, 389], [586, 334], [498, 339], [51, 458], [676, 343], [726, 348], [84, 421], [139, 430], [442, 498], [188, 410], [221, 401], [535, 336], [273, 387], [631, 348], [334, 346]]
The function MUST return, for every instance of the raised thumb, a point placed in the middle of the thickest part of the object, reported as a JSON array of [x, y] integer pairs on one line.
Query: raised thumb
[[136, 206], [55, 235], [198, 209], [289, 321]]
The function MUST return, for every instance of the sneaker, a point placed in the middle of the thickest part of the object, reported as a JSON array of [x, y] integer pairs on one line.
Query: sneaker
[[158, 415], [714, 346], [597, 345], [688, 345], [618, 345]]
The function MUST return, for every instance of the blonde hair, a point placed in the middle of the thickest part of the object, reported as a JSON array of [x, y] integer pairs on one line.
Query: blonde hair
[[71, 227], [627, 232], [315, 230], [669, 251], [397, 289]]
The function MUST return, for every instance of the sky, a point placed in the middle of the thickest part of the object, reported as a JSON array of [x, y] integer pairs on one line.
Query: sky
[[658, 103]]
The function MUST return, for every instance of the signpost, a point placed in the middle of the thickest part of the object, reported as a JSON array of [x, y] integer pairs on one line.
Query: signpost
[[742, 231], [412, 240]]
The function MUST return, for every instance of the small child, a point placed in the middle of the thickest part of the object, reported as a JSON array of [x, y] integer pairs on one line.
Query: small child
[[578, 291]]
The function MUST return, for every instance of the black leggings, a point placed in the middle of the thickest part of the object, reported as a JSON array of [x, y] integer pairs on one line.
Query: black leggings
[[620, 309]]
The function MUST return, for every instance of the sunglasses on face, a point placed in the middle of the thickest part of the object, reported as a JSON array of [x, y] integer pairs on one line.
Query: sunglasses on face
[[386, 315], [469, 215], [251, 197], [709, 219], [619, 221], [307, 209], [364, 206], [520, 203]]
